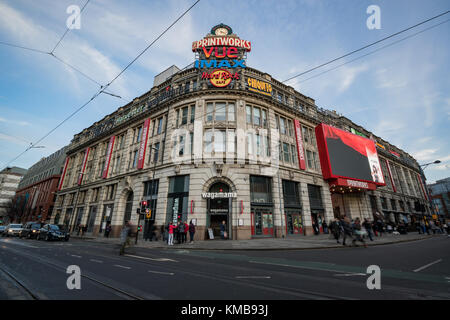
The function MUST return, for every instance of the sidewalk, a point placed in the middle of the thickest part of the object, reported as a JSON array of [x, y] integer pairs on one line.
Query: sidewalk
[[291, 243]]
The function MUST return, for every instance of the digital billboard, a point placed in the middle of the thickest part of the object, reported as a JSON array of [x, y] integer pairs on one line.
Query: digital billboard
[[346, 155]]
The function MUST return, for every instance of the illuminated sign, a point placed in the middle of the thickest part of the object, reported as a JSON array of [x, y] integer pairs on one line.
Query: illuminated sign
[[200, 64], [259, 86], [213, 195], [220, 78], [222, 41]]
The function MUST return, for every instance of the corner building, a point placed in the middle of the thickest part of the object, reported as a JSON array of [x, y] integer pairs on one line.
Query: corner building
[[216, 141]]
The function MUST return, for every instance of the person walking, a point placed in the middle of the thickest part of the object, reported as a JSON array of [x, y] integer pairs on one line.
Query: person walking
[[186, 230], [125, 237], [368, 226], [380, 227], [358, 233], [336, 227], [170, 229], [177, 232], [325, 227], [191, 231], [108, 229], [347, 227]]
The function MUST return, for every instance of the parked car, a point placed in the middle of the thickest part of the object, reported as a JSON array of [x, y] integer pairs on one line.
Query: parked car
[[13, 229], [30, 230], [2, 229], [52, 232]]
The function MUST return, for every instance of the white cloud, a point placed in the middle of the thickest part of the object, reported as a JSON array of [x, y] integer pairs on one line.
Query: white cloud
[[15, 122]]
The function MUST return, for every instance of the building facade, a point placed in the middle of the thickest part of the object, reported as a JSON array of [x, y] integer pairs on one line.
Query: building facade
[[217, 141], [440, 194], [36, 193], [9, 181]]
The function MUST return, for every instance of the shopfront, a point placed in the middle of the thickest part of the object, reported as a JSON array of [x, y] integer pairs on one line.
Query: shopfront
[[177, 199], [261, 206], [293, 208], [151, 196]]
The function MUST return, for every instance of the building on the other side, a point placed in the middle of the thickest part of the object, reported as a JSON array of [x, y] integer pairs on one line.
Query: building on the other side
[[218, 142], [9, 181], [440, 194], [36, 193]]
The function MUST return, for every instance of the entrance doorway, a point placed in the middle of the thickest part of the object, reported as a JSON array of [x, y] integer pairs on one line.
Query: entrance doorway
[[219, 209], [262, 221], [294, 223]]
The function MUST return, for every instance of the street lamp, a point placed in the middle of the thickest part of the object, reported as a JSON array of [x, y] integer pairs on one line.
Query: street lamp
[[424, 166]]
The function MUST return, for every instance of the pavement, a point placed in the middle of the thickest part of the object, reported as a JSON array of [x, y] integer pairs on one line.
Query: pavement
[[323, 241]]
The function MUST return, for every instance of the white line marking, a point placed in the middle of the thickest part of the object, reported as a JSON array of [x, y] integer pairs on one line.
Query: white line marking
[[74, 255], [252, 277], [168, 273], [350, 274], [427, 265], [300, 267], [153, 259], [18, 243], [94, 260], [119, 266]]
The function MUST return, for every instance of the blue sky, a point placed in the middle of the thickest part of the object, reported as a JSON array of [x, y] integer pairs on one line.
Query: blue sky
[[400, 93]]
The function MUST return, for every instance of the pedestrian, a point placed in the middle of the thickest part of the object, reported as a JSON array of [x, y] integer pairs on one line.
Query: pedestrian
[[186, 230], [153, 232], [125, 237], [108, 229], [368, 226], [358, 233], [336, 227], [181, 232], [347, 229], [315, 227], [223, 232], [177, 232], [325, 227], [170, 229], [380, 227], [191, 231]]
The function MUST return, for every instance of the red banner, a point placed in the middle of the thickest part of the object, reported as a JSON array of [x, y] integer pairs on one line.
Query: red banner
[[61, 180], [143, 146], [108, 157], [300, 151], [83, 166], [390, 176], [421, 185]]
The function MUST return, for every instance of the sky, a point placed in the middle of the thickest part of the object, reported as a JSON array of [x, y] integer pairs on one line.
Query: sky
[[400, 92]]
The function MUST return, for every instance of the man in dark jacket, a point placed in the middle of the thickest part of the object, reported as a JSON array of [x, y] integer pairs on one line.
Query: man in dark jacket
[[191, 231], [181, 233]]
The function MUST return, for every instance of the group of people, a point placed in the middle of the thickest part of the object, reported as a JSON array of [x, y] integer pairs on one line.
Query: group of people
[[179, 232], [355, 230]]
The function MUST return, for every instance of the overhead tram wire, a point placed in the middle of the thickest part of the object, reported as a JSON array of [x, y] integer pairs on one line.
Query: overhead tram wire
[[371, 52], [366, 46], [68, 29], [102, 90]]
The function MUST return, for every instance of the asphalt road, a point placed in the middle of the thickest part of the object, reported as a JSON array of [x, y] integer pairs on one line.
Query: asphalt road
[[37, 270]]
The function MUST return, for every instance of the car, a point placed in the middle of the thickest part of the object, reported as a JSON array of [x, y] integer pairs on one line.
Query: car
[[30, 230], [13, 229], [52, 232], [2, 229]]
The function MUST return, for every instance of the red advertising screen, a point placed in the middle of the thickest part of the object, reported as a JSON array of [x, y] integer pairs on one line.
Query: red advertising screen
[[346, 155]]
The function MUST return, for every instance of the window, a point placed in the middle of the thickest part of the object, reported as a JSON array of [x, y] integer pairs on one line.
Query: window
[[192, 114], [184, 115], [264, 118], [209, 111], [394, 205], [257, 116], [310, 160], [139, 134], [160, 123], [286, 153], [305, 134], [156, 152], [177, 117], [291, 128], [219, 141], [117, 165], [383, 203], [282, 125], [220, 112], [208, 141], [294, 154], [249, 114], [231, 112]]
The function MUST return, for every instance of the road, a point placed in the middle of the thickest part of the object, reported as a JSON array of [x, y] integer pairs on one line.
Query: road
[[37, 270]]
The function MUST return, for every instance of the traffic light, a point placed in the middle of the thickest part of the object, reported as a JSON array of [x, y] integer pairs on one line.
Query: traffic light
[[143, 205], [140, 227]]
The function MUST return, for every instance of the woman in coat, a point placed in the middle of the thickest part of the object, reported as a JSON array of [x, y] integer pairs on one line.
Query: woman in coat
[[191, 231]]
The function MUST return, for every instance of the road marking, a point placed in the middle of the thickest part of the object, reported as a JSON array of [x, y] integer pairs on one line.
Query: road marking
[[74, 255], [119, 266], [18, 243], [294, 266], [350, 274], [252, 277], [94, 260], [168, 273], [427, 265], [153, 259]]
